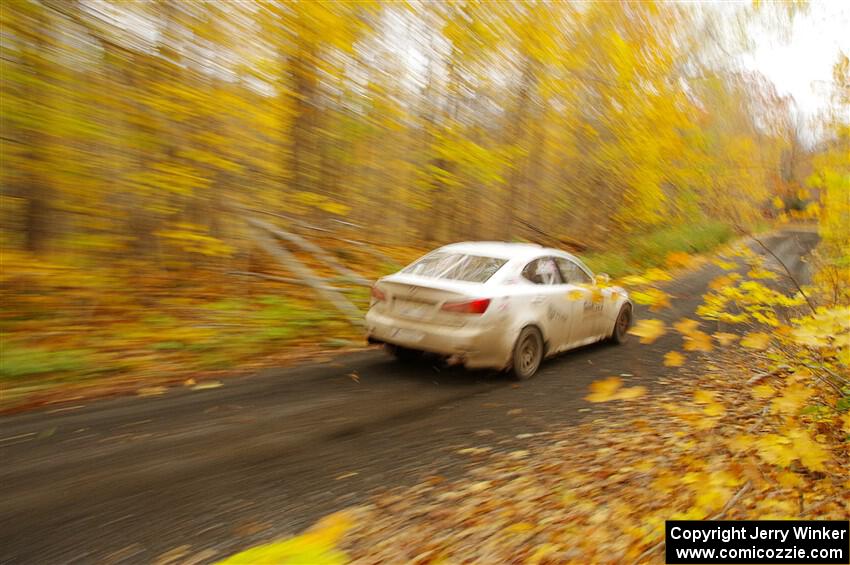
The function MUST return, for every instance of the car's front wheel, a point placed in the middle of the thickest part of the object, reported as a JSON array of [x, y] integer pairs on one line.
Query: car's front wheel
[[622, 325], [528, 353]]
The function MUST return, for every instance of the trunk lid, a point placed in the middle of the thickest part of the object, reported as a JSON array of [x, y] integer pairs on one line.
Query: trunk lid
[[420, 298]]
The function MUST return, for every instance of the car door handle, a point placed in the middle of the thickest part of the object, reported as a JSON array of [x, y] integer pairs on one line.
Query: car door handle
[[537, 300]]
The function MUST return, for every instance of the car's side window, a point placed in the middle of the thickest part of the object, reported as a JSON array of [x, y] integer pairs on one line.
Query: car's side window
[[543, 271], [572, 273]]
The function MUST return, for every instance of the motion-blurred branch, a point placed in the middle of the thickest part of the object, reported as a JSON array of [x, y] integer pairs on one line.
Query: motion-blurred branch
[[310, 248], [292, 264]]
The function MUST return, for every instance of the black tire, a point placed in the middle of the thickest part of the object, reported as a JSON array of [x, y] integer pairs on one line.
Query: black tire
[[404, 354], [528, 353], [622, 324]]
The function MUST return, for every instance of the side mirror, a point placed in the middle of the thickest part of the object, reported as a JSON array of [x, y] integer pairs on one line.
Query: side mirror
[[602, 279]]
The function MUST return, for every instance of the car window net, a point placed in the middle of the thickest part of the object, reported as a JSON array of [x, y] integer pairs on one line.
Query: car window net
[[456, 267], [542, 271]]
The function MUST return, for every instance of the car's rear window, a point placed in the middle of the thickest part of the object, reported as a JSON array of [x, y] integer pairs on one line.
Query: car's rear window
[[456, 267]]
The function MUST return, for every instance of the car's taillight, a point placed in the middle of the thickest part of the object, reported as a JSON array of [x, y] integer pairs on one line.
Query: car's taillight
[[477, 306], [378, 294]]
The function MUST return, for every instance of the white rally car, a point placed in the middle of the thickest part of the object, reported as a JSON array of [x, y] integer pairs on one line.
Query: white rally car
[[495, 305]]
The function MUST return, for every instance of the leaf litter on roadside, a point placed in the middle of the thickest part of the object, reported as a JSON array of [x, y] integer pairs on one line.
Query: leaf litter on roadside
[[602, 491]]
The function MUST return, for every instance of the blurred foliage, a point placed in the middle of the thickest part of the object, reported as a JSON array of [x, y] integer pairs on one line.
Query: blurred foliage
[[146, 128], [831, 177], [25, 361], [656, 248], [137, 136]]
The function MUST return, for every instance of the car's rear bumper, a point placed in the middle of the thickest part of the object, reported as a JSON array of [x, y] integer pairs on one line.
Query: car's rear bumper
[[473, 345]]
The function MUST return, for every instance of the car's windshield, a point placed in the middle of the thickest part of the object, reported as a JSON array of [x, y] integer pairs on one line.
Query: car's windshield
[[456, 266]]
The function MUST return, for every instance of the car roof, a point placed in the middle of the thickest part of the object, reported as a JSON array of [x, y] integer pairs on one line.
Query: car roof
[[505, 250]]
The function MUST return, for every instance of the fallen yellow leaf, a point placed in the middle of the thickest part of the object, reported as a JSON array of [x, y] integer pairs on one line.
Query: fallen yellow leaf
[[698, 341], [674, 359], [704, 396], [686, 326], [631, 393], [604, 390], [648, 330], [812, 455], [657, 274], [775, 449], [724, 338], [760, 273], [654, 298], [763, 391], [789, 479], [791, 400], [678, 259], [756, 340], [741, 443], [712, 498], [726, 265]]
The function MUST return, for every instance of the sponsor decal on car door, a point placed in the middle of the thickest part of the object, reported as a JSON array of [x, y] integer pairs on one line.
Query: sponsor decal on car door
[[580, 313], [584, 302], [594, 308], [569, 313]]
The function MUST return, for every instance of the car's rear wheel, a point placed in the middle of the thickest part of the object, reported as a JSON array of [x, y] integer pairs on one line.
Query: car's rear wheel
[[404, 354], [528, 353], [622, 325]]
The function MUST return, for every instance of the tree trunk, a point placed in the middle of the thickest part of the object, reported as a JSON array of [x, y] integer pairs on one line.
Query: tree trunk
[[36, 188], [516, 135], [302, 135]]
